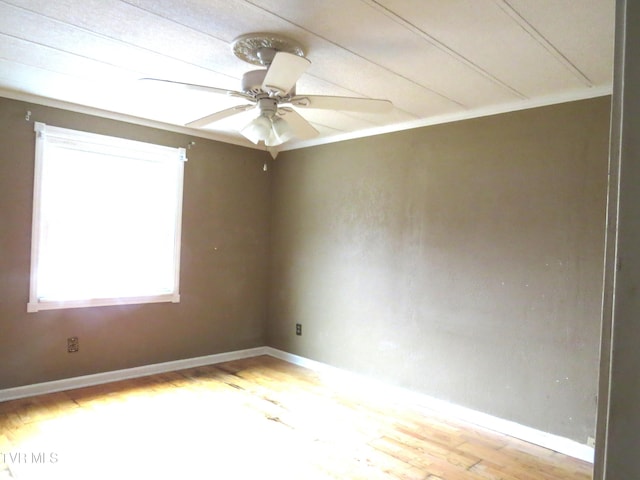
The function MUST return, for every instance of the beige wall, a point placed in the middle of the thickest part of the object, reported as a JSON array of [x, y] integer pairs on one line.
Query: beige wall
[[224, 259], [463, 260]]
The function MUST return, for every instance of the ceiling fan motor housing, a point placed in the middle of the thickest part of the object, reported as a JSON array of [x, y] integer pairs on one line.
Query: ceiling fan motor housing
[[252, 83]]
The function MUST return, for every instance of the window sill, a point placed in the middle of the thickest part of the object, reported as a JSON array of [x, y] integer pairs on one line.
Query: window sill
[[33, 307]]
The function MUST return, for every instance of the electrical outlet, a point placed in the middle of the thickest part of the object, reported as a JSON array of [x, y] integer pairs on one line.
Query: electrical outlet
[[73, 344], [298, 329], [591, 442]]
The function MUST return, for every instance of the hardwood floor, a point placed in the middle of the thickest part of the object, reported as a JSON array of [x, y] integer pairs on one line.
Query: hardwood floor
[[258, 418]]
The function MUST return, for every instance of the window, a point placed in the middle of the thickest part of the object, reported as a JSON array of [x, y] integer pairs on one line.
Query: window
[[106, 221]]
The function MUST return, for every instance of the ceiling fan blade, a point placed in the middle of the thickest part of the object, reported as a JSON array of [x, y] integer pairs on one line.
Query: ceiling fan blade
[[284, 72], [298, 125], [203, 88], [214, 117], [352, 104]]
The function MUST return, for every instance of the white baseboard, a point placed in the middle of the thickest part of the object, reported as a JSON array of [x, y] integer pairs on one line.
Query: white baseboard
[[531, 435], [528, 434], [135, 372]]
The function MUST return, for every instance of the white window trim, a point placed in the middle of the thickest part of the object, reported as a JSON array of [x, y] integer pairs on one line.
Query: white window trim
[[142, 150]]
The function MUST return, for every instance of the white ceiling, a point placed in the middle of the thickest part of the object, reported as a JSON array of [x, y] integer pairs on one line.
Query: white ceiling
[[436, 60]]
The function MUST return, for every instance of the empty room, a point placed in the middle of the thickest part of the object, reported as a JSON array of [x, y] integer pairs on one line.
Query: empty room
[[361, 239]]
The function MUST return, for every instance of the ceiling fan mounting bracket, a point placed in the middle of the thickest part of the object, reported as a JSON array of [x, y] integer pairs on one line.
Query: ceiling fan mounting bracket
[[260, 48]]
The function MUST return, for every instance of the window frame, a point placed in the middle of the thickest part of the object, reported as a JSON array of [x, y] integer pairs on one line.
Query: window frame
[[122, 148]]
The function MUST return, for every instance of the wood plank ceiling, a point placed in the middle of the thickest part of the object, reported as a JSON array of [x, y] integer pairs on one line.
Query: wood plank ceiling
[[436, 60]]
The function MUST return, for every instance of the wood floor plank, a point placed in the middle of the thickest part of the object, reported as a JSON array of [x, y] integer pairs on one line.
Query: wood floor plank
[[256, 418]]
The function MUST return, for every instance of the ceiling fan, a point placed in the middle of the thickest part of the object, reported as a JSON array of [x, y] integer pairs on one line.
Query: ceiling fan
[[271, 92]]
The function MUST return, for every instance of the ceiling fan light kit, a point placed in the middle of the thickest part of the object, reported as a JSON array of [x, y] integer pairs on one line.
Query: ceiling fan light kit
[[281, 131], [257, 129], [272, 92]]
